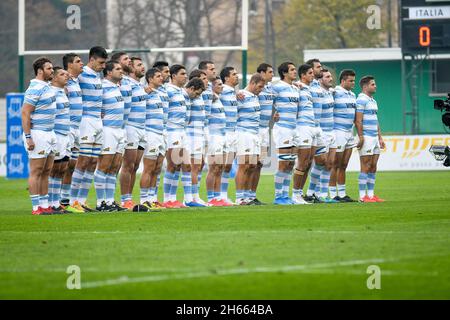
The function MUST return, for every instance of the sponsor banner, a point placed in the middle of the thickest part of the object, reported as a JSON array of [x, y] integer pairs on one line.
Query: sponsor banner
[[2, 159], [403, 153], [17, 158], [406, 153]]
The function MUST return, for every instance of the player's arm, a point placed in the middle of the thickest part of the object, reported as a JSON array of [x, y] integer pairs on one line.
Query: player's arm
[[27, 109], [359, 128], [380, 139]]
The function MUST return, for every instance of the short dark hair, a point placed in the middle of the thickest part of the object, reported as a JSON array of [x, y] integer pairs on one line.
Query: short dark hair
[[312, 61], [263, 67], [56, 69], [196, 84], [175, 69], [303, 69], [151, 73], [203, 65], [98, 52], [133, 59], [160, 65], [69, 58], [39, 64], [117, 55], [284, 68], [365, 80], [225, 73], [109, 66], [346, 73], [196, 74]]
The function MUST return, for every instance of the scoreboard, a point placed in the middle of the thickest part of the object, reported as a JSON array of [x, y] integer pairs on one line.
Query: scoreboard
[[425, 26]]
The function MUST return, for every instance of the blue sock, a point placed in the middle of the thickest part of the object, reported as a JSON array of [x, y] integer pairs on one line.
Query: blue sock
[[240, 194], [168, 177], [174, 186], [210, 195], [51, 189], [57, 192], [152, 194], [43, 201], [85, 186], [100, 186], [186, 181], [158, 180], [217, 195], [324, 182], [316, 171], [287, 184], [144, 195], [65, 191], [77, 180], [35, 201], [279, 179], [371, 184], [224, 185], [362, 183], [195, 190], [110, 188]]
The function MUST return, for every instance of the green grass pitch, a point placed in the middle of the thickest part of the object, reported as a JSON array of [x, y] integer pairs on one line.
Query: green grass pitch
[[314, 252]]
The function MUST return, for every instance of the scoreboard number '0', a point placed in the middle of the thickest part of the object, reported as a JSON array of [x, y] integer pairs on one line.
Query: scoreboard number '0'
[[424, 36]]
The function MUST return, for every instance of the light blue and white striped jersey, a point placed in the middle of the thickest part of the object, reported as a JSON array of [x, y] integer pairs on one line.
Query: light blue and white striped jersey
[[217, 120], [136, 118], [113, 105], [165, 101], [75, 101], [248, 113], [176, 119], [229, 101], [208, 96], [62, 117], [127, 93], [266, 98], [91, 90], [154, 115], [327, 119], [344, 109], [42, 97], [286, 103], [196, 118], [369, 108], [306, 117], [317, 95]]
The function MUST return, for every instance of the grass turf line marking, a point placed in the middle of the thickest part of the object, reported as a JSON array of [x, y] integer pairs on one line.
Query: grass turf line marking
[[236, 271], [228, 232]]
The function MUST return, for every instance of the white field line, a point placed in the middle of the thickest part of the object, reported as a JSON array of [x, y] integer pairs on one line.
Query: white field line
[[230, 232], [237, 271], [325, 267]]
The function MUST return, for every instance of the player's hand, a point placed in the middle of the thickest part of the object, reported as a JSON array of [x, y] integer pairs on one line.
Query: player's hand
[[276, 117], [298, 84], [382, 143], [30, 144], [240, 96], [360, 143], [149, 89]]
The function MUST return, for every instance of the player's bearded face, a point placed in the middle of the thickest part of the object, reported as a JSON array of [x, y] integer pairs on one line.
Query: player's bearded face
[[48, 71], [125, 62]]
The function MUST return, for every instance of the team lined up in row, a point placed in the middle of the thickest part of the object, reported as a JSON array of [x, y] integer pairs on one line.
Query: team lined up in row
[[84, 123]]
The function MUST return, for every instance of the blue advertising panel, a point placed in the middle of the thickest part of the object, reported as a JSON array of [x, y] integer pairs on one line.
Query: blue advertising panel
[[16, 155]]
